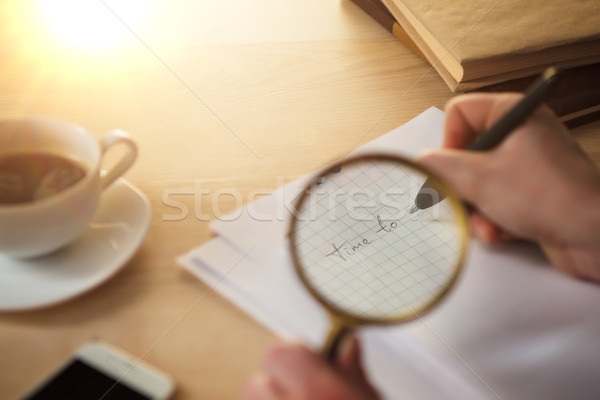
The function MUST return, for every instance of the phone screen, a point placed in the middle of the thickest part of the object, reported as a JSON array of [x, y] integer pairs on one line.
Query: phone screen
[[80, 381]]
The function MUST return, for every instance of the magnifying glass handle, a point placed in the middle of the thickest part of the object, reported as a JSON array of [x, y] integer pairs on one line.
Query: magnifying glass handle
[[335, 337]]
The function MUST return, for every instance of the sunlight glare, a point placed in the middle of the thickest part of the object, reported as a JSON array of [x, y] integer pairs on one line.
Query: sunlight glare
[[93, 23]]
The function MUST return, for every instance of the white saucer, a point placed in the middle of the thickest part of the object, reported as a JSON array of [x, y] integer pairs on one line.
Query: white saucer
[[113, 236]]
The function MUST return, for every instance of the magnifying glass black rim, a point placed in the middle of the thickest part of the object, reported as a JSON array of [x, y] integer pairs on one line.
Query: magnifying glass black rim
[[460, 214]]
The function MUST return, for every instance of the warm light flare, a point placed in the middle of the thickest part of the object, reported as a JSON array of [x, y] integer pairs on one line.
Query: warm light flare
[[93, 23]]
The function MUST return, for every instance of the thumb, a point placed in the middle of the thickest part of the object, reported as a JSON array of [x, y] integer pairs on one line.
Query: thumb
[[349, 365], [463, 170], [349, 358]]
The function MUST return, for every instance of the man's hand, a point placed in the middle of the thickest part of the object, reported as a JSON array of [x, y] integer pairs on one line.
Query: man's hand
[[293, 372], [537, 184]]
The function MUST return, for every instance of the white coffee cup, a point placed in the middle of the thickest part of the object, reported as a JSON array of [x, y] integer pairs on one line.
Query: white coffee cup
[[39, 227]]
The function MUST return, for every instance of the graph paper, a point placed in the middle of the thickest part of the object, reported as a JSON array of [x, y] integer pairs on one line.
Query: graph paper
[[362, 251]]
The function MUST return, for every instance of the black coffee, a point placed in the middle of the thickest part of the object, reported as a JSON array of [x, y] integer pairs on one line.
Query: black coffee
[[26, 177]]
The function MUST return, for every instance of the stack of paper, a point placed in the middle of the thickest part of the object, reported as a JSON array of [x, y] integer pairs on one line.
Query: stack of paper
[[483, 42], [513, 327]]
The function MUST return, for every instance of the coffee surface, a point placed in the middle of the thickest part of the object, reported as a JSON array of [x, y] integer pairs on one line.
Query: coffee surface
[[27, 177]]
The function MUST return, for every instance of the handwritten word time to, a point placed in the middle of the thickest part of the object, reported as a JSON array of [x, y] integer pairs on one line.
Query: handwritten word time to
[[345, 251]]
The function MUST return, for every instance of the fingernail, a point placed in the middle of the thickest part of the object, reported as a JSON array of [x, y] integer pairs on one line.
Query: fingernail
[[426, 152], [348, 347], [479, 230]]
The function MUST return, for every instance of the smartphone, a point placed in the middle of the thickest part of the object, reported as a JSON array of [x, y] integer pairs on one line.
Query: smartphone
[[99, 371]]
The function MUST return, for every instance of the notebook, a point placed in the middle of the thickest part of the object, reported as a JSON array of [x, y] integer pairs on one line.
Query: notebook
[[483, 42]]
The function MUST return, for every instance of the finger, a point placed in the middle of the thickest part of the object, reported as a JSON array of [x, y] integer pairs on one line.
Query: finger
[[488, 231], [349, 359], [467, 116], [261, 387], [298, 371], [349, 365], [484, 229], [564, 258], [465, 171], [294, 367], [508, 237]]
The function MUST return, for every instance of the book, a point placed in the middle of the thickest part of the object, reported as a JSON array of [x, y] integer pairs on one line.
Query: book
[[487, 42], [576, 100], [377, 10]]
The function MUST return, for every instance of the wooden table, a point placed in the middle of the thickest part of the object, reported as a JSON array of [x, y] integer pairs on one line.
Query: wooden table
[[237, 95]]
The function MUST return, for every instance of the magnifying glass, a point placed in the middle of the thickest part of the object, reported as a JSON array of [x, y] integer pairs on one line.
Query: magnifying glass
[[363, 256]]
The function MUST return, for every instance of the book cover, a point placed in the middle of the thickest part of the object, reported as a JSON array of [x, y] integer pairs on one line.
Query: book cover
[[485, 42]]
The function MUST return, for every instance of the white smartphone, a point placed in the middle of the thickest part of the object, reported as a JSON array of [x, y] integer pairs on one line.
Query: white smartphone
[[99, 371]]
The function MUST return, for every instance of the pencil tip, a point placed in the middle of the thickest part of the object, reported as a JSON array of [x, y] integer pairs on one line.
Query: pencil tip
[[413, 209]]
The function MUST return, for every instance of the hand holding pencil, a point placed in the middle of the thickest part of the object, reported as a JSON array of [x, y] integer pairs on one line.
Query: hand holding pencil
[[536, 184]]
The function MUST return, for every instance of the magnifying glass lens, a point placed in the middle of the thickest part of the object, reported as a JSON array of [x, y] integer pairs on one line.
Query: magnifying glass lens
[[362, 254]]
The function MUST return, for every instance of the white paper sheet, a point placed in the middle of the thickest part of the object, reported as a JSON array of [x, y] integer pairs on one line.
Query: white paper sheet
[[269, 216], [399, 366]]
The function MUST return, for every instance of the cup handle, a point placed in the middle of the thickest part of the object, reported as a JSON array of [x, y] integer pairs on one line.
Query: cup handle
[[110, 139]]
